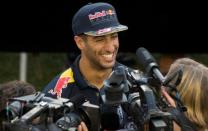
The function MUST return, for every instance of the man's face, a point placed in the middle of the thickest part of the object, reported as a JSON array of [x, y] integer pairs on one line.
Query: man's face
[[101, 51]]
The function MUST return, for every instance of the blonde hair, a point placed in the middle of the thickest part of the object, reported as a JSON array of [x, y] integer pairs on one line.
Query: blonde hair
[[193, 90]]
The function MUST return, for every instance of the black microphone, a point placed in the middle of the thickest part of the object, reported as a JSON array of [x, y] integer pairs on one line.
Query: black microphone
[[147, 61]]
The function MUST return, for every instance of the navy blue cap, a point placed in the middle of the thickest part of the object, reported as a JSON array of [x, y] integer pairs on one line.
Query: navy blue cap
[[96, 19]]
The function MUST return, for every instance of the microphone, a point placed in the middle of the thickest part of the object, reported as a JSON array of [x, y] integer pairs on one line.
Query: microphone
[[147, 61]]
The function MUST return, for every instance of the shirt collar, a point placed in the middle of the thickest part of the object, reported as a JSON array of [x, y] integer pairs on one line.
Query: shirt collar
[[81, 82]]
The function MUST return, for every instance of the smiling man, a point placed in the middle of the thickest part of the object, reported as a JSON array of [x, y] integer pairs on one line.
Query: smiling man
[[95, 27]]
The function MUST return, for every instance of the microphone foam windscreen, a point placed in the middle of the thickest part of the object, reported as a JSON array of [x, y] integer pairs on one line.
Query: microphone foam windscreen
[[144, 57]]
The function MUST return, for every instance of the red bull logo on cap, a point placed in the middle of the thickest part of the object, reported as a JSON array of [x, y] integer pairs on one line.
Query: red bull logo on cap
[[65, 78], [101, 14]]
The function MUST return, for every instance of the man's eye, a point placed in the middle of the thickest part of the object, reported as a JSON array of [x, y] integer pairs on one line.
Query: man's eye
[[114, 36], [99, 39]]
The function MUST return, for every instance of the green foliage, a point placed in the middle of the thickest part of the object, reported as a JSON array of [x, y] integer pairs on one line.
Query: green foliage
[[9, 66], [41, 67]]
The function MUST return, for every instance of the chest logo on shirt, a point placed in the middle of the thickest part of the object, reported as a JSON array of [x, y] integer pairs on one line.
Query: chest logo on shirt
[[65, 78]]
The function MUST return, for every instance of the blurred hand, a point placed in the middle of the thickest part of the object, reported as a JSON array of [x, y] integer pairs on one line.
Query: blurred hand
[[168, 98], [176, 127], [172, 103], [82, 127]]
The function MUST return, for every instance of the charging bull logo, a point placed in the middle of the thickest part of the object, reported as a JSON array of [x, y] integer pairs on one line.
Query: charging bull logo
[[64, 79]]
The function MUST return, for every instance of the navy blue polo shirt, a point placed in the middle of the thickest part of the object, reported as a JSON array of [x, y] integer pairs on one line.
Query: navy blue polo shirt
[[78, 86]]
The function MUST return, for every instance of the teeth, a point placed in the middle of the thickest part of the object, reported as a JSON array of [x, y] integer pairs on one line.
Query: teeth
[[108, 56]]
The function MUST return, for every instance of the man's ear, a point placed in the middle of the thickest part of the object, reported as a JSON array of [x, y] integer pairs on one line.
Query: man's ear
[[79, 42]]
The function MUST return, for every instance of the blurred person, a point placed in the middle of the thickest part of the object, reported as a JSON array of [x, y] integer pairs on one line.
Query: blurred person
[[192, 91], [13, 89]]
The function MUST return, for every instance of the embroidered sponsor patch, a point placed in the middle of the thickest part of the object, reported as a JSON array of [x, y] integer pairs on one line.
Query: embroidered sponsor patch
[[103, 31], [65, 78], [101, 14]]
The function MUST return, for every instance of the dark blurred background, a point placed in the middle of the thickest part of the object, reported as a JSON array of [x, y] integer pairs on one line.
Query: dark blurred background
[[160, 26]]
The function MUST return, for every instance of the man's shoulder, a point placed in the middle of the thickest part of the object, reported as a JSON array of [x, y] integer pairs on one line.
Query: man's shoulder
[[61, 81], [67, 75]]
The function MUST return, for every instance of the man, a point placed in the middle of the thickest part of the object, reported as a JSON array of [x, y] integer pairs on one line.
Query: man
[[95, 27]]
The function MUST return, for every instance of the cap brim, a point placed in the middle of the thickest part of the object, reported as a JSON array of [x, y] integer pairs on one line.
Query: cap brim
[[107, 31]]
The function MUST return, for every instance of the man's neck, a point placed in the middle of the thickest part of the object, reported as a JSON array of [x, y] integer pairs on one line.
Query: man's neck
[[92, 75]]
